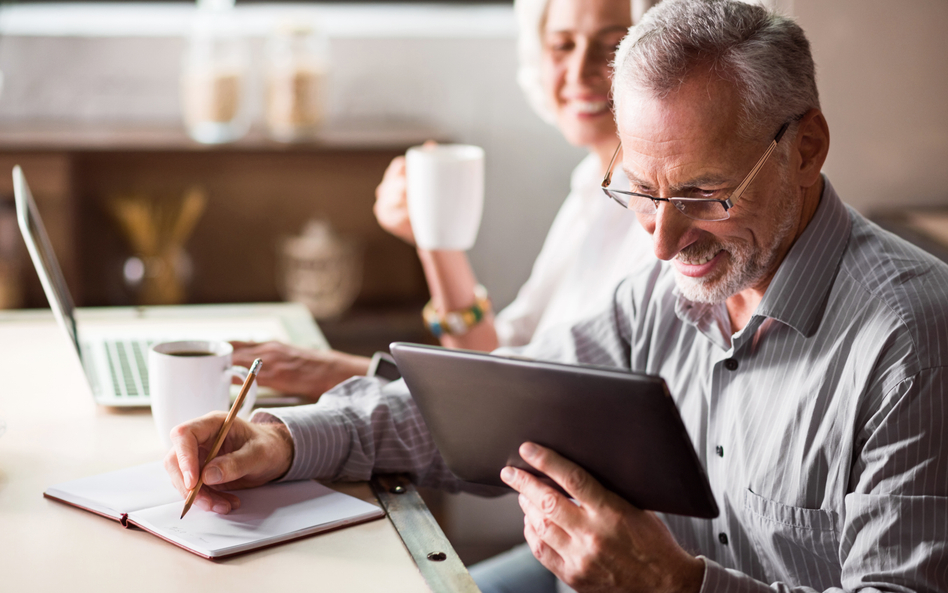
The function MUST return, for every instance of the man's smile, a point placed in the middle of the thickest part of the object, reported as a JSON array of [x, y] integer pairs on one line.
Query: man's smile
[[697, 265]]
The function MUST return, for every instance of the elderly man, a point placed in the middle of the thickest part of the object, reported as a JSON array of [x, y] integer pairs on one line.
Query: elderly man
[[806, 348]]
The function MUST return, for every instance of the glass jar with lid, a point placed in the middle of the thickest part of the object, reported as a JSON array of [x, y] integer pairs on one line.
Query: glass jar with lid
[[296, 72], [214, 76]]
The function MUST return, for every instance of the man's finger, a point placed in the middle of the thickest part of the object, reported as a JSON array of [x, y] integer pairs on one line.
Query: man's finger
[[221, 502], [186, 439], [232, 498], [251, 463], [231, 467], [174, 472], [573, 479], [186, 453], [550, 502], [547, 556], [546, 529], [215, 501]]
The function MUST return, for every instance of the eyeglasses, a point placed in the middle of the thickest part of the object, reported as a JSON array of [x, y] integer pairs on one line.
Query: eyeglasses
[[708, 209]]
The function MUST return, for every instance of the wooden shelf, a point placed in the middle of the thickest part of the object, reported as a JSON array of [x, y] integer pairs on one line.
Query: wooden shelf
[[259, 191], [334, 135]]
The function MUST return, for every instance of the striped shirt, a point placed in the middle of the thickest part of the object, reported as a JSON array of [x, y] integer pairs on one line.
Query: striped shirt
[[821, 424]]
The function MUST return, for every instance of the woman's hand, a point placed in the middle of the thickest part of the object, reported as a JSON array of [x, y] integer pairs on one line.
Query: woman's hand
[[299, 371], [391, 200], [251, 455]]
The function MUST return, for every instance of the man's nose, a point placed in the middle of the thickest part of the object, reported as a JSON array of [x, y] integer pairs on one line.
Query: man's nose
[[670, 229]]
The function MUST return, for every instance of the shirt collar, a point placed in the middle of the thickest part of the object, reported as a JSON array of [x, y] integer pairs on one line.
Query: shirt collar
[[802, 283], [798, 292]]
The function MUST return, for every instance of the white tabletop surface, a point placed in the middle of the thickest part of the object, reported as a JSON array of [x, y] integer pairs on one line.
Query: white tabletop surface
[[54, 432]]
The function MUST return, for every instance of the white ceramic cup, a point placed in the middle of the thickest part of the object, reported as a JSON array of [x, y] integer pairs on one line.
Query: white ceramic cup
[[445, 194], [189, 379]]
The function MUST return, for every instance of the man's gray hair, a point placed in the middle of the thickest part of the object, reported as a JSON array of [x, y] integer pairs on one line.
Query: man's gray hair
[[767, 56]]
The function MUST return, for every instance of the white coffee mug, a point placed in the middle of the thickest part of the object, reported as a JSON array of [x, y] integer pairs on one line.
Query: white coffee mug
[[189, 379], [445, 194]]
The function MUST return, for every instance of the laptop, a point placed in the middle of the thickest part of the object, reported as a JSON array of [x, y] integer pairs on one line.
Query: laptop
[[114, 354], [621, 427]]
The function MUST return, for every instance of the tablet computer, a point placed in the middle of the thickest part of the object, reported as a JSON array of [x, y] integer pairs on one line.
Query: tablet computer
[[622, 427]]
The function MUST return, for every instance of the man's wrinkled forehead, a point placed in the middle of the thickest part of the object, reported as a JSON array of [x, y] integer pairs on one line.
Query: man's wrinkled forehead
[[704, 104], [703, 112]]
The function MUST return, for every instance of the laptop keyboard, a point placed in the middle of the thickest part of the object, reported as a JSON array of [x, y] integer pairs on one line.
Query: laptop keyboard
[[128, 367]]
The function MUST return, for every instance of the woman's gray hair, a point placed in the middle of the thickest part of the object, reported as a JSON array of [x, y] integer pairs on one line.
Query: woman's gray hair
[[531, 17], [766, 55]]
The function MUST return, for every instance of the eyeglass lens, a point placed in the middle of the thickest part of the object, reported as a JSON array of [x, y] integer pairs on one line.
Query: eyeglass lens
[[697, 209]]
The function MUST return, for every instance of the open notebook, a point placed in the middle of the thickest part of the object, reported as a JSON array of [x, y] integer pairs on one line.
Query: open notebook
[[142, 496]]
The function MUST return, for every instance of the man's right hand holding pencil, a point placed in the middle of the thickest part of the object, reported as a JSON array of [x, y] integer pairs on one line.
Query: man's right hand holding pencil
[[252, 454]]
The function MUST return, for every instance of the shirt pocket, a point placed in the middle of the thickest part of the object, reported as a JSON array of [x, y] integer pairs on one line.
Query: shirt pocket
[[796, 546]]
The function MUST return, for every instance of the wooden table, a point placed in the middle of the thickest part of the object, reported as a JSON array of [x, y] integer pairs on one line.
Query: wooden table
[[54, 432]]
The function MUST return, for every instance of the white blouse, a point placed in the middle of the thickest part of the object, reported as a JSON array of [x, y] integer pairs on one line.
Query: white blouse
[[593, 244]]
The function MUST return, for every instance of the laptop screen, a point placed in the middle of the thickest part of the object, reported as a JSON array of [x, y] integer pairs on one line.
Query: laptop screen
[[44, 260]]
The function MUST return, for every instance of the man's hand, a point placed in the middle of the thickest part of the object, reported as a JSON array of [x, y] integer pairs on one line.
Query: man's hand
[[252, 454], [601, 542], [299, 371]]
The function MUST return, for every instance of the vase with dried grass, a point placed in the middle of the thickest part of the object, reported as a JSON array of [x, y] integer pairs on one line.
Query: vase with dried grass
[[157, 229]]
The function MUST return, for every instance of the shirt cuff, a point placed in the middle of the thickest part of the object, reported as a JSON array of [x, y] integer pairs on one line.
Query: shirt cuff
[[320, 440], [719, 579]]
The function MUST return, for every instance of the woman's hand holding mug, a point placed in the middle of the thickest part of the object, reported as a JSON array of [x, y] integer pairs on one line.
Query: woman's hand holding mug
[[434, 196]]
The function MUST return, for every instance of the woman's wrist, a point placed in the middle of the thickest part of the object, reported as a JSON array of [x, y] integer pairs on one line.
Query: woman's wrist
[[451, 280], [452, 283], [458, 322], [352, 365]]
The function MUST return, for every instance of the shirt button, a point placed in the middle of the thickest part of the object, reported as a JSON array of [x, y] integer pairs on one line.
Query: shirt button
[[719, 450], [722, 537], [731, 364]]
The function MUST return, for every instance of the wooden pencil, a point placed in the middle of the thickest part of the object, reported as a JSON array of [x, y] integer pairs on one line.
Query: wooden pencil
[[222, 434]]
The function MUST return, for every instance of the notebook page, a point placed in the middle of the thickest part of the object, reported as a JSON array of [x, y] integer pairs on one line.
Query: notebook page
[[118, 492], [267, 515]]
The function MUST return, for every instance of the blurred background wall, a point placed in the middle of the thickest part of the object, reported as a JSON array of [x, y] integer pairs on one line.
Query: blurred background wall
[[882, 69], [449, 69]]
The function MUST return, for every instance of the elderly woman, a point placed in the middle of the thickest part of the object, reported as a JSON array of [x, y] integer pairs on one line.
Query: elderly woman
[[565, 48], [565, 51]]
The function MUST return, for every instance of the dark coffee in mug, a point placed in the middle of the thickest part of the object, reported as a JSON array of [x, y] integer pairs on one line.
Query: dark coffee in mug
[[191, 353]]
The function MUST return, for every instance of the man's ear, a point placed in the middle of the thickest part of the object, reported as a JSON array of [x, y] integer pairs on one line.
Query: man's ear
[[811, 147]]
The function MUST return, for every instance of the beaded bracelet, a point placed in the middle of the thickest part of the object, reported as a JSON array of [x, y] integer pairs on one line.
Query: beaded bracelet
[[457, 323]]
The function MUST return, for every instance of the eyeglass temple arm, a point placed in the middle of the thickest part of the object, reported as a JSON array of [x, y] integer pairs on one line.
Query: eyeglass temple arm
[[736, 195], [608, 178]]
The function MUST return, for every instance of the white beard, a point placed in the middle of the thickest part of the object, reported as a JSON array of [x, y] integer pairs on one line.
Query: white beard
[[745, 266]]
